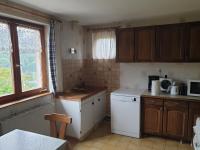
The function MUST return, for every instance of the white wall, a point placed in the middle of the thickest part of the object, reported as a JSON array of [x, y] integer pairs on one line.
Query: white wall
[[135, 75], [72, 37]]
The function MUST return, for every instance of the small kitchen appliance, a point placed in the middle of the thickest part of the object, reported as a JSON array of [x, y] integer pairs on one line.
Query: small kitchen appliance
[[155, 89], [183, 89], [165, 83], [174, 89], [193, 87], [151, 78]]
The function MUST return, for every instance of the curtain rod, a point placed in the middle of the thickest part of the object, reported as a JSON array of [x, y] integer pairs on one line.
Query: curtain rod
[[29, 12]]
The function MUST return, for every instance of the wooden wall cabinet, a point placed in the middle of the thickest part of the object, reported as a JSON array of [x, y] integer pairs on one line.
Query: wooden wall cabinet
[[125, 45], [152, 116], [193, 49], [175, 119], [144, 44], [169, 43], [164, 43]]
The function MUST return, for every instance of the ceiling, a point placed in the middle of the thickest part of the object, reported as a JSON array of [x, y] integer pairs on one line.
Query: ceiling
[[90, 12]]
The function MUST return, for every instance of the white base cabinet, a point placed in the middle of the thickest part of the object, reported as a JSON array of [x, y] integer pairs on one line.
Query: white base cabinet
[[85, 114]]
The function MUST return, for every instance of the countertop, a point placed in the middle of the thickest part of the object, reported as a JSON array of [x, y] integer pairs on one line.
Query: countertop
[[168, 96], [76, 95]]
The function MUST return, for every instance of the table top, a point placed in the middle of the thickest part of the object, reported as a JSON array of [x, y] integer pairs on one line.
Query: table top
[[24, 140]]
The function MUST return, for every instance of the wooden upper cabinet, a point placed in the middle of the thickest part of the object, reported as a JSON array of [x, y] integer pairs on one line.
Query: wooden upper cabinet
[[144, 44], [175, 119], [193, 50], [169, 43], [194, 113], [152, 116], [125, 45]]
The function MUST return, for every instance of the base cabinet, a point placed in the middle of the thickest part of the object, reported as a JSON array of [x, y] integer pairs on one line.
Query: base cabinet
[[85, 114], [167, 117], [153, 114], [175, 119]]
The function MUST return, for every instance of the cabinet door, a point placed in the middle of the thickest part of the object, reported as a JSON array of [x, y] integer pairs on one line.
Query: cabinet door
[[169, 39], [175, 119], [144, 44], [194, 113], [87, 116], [193, 52], [152, 116], [99, 110], [125, 45]]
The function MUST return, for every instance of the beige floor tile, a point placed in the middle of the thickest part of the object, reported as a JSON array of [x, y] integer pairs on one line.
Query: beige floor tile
[[102, 139]]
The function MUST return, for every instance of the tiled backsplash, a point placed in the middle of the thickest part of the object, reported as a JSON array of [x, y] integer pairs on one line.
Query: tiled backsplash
[[72, 73], [99, 73], [104, 73]]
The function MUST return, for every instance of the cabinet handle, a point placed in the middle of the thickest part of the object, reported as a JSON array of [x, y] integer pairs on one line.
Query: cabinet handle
[[99, 99], [92, 103]]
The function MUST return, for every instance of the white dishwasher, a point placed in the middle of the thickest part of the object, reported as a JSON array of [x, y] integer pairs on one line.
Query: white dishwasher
[[125, 112]]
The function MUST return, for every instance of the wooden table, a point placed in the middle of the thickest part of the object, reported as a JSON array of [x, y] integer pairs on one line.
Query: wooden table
[[23, 140]]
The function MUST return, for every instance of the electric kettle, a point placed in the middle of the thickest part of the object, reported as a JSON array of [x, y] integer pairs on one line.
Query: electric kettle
[[174, 89]]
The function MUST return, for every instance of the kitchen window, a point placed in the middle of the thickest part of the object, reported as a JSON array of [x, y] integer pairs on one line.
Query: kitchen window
[[22, 60], [104, 44]]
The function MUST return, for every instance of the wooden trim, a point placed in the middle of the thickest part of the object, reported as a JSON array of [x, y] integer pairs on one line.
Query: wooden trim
[[44, 61], [22, 100], [20, 22], [21, 8], [27, 10]]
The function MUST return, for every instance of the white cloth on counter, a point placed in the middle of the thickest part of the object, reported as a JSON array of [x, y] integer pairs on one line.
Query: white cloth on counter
[[196, 140], [198, 122], [197, 130]]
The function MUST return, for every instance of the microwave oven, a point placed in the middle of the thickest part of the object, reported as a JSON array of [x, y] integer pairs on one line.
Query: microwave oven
[[193, 87]]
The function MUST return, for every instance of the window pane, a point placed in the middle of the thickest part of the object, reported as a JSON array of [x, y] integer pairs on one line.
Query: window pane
[[104, 45], [6, 74], [30, 58]]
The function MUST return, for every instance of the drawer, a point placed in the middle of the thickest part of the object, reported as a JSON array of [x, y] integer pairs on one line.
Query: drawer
[[176, 104], [152, 101]]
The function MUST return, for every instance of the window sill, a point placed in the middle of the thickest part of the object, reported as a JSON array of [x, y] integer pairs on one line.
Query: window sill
[[24, 100]]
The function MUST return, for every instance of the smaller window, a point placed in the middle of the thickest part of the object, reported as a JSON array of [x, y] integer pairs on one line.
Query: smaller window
[[104, 44]]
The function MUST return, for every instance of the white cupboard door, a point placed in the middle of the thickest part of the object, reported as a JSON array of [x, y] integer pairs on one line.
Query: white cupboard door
[[99, 108], [87, 115]]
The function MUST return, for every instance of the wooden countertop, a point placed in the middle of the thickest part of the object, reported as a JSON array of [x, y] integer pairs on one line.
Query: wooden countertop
[[168, 96], [75, 95]]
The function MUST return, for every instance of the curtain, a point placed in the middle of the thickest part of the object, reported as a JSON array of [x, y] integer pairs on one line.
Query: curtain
[[52, 54], [104, 44], [59, 72]]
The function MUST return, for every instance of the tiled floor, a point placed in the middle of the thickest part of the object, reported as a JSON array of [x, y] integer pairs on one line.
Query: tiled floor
[[102, 139]]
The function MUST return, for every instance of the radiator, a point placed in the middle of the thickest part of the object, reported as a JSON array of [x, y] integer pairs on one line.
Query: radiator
[[29, 120]]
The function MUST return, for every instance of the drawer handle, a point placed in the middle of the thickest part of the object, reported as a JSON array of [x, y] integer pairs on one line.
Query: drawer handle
[[92, 103]]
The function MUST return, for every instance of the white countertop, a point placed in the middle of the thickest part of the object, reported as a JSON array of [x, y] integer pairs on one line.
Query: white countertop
[[23, 140], [128, 92]]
